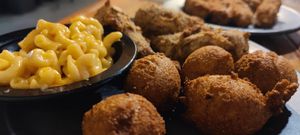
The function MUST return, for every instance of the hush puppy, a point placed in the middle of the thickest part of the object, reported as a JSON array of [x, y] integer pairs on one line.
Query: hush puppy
[[207, 60], [156, 78], [123, 114]]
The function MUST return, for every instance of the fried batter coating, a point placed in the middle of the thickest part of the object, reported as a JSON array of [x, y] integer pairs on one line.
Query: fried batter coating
[[178, 46], [156, 78], [266, 13], [123, 114], [210, 60], [227, 105], [253, 4], [156, 20], [114, 17], [223, 12], [265, 70]]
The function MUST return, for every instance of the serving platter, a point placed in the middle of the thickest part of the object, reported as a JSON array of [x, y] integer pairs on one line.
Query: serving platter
[[288, 20], [61, 116]]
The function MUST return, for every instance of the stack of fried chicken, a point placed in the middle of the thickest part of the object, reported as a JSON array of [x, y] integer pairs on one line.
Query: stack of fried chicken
[[226, 89], [261, 13]]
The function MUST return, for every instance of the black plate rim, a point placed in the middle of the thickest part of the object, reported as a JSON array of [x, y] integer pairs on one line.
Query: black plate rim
[[127, 56]]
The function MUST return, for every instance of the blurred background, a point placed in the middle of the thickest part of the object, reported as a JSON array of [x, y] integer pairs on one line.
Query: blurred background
[[18, 14]]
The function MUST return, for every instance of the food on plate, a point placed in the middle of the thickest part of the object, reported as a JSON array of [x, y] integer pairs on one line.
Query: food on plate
[[253, 4], [179, 45], [156, 78], [117, 19], [266, 13], [156, 20], [265, 70], [53, 54], [241, 13], [211, 60], [223, 12], [123, 114], [224, 104]]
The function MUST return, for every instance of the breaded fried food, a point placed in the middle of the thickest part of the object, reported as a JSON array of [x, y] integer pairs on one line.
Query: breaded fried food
[[178, 46], [224, 12], [117, 19], [227, 105], [266, 13], [123, 114], [156, 78], [156, 20], [265, 70], [253, 4], [211, 60]]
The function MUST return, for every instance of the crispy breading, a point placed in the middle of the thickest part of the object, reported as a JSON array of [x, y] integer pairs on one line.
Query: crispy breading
[[123, 114], [253, 4], [156, 20], [156, 78], [117, 19], [266, 13]]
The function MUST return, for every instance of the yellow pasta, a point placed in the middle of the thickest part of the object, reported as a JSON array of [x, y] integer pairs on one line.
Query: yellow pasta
[[54, 54]]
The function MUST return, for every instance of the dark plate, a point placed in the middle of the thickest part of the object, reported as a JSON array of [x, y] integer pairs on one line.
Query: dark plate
[[63, 116], [288, 20], [124, 56]]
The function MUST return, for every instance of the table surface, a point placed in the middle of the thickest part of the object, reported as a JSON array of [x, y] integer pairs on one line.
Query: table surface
[[286, 45]]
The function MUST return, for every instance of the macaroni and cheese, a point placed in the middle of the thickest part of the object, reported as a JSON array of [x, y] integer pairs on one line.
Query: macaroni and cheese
[[54, 54]]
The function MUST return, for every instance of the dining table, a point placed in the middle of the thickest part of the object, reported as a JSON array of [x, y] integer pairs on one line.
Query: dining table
[[286, 44]]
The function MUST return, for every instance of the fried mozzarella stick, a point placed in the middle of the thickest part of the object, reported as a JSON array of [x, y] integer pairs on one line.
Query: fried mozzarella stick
[[266, 13], [155, 20], [114, 17]]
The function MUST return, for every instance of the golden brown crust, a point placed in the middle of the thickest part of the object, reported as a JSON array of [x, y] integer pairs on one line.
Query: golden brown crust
[[156, 20], [266, 13], [116, 18], [265, 69], [207, 60], [225, 105], [123, 114], [156, 78]]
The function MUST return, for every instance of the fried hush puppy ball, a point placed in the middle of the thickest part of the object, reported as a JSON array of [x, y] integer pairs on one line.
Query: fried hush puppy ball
[[156, 78], [227, 105], [207, 60], [123, 114], [265, 70]]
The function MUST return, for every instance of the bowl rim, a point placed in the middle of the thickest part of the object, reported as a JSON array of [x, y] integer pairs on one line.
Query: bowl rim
[[127, 55]]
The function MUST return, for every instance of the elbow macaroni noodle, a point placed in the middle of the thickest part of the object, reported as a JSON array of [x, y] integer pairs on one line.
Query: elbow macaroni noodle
[[54, 54]]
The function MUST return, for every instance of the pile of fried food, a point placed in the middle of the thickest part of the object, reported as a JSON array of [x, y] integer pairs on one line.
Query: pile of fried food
[[261, 13], [224, 88]]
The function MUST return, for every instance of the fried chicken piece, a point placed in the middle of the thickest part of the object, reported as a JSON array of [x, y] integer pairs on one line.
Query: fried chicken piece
[[223, 12], [117, 19], [156, 78], [227, 105], [210, 60], [178, 46], [156, 20], [253, 4], [123, 114], [266, 13], [265, 70]]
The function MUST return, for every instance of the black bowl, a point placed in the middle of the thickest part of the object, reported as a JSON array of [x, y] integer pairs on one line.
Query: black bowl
[[123, 57]]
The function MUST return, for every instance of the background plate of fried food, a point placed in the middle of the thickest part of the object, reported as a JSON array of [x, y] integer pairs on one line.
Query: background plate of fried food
[[188, 78], [251, 16]]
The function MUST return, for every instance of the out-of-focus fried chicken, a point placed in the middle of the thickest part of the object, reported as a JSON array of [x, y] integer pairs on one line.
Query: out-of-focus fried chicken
[[156, 20], [223, 12], [266, 13], [265, 70], [123, 114], [114, 17], [178, 46], [227, 105], [211, 60], [253, 4]]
